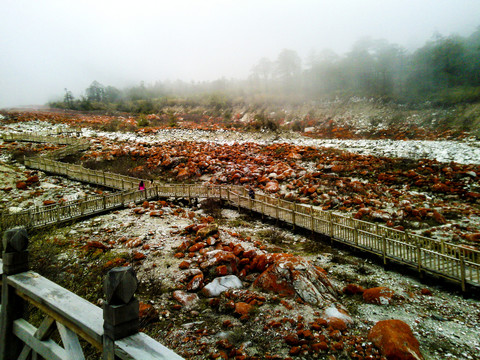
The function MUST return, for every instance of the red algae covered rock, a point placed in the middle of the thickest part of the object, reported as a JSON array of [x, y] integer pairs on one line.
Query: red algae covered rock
[[395, 340], [290, 275], [184, 298], [272, 186], [352, 289], [380, 295]]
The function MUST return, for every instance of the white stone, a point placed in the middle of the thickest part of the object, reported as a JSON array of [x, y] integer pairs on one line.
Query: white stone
[[221, 284]]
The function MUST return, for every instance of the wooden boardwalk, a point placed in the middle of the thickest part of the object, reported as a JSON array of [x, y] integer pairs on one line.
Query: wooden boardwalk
[[454, 262]]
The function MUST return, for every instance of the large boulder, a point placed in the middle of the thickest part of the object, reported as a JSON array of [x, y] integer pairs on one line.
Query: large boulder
[[395, 340], [290, 275]]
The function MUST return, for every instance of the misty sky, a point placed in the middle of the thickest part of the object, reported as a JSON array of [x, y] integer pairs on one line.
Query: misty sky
[[49, 45]]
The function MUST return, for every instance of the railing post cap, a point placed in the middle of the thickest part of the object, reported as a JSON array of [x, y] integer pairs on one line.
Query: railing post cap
[[15, 240], [120, 285]]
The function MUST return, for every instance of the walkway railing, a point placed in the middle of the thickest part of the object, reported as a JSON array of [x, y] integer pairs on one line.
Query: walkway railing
[[455, 262], [113, 331]]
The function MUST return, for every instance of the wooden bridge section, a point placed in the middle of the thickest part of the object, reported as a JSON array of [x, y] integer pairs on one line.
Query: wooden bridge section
[[457, 263]]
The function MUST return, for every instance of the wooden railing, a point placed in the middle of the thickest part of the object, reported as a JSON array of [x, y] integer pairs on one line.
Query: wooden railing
[[113, 331], [426, 255]]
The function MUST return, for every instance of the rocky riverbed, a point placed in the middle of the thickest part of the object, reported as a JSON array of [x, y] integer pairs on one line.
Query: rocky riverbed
[[293, 296]]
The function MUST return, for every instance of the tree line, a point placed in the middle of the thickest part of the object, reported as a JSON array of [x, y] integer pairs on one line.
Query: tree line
[[444, 71]]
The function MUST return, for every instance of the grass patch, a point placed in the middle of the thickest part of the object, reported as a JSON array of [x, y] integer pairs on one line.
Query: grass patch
[[274, 236], [212, 207]]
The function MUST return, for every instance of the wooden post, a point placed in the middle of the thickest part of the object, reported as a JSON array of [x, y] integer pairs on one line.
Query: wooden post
[[277, 209], [384, 249], [355, 232], [263, 207], [331, 225], [312, 220], [30, 217], [462, 271], [120, 311], [15, 261], [419, 256], [293, 214], [104, 200]]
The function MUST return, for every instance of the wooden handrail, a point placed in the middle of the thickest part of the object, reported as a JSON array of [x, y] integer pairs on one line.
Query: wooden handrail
[[62, 308]]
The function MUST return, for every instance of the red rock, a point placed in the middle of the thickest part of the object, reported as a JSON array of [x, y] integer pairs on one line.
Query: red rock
[[243, 262], [184, 265], [196, 283], [250, 254], [306, 334], [132, 243], [426, 292], [221, 270], [182, 173], [320, 346], [147, 313], [295, 350], [21, 185], [337, 345], [157, 213], [337, 323], [48, 202], [114, 263], [146, 205], [439, 218], [237, 250], [289, 275], [292, 339], [272, 186], [96, 244], [179, 255], [186, 299], [32, 179], [361, 213], [211, 241], [337, 168], [196, 247], [352, 289], [472, 237], [242, 308], [395, 340], [138, 256], [379, 295]]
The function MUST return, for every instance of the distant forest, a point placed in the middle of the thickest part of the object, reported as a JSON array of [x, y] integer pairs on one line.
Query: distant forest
[[445, 71]]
